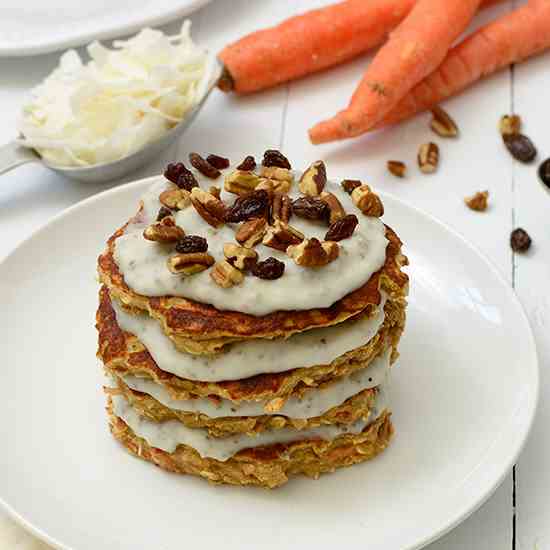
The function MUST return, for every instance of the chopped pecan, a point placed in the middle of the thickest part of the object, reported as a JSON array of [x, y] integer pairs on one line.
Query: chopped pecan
[[203, 166], [349, 185], [336, 210], [314, 179], [367, 201], [478, 202], [272, 157], [175, 198], [281, 235], [281, 207], [342, 228], [248, 164], [509, 125], [216, 191], [266, 185], [310, 208], [313, 253], [282, 178], [253, 205], [211, 209], [251, 232], [225, 275], [190, 263], [271, 185], [397, 168], [165, 231], [442, 123], [239, 256], [221, 163], [428, 157], [241, 182], [270, 269]]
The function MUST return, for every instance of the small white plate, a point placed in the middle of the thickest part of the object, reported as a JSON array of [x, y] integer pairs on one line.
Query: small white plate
[[464, 396], [31, 27]]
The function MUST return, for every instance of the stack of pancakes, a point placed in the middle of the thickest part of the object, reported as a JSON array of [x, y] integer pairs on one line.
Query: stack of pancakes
[[249, 394]]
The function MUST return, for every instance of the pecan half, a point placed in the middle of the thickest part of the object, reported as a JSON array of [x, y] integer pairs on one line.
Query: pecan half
[[211, 209], [342, 228], [428, 157], [367, 201], [349, 185], [165, 231], [397, 168], [241, 182], [336, 210], [189, 264], [314, 179], [225, 275], [442, 123], [175, 198], [478, 202], [251, 232], [239, 256], [313, 253], [310, 208], [272, 157], [203, 166], [281, 207], [281, 235]]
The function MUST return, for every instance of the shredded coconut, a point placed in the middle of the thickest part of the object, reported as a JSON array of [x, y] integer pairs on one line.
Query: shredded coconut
[[122, 99]]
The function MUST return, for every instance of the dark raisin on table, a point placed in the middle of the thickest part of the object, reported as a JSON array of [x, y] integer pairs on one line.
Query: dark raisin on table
[[520, 241], [520, 147], [544, 172]]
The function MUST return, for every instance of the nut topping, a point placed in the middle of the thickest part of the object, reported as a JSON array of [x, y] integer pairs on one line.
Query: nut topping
[[281, 207], [192, 243], [211, 209], [165, 231], [175, 198], [310, 208], [367, 201], [397, 168], [189, 264], [272, 157], [203, 166], [509, 125], [241, 182], [281, 236], [313, 253], [253, 205], [269, 269], [221, 163], [336, 210], [270, 185], [349, 185], [239, 256], [216, 191], [251, 232], [442, 123], [314, 179], [342, 228], [478, 201], [428, 157], [225, 275], [248, 164], [277, 173]]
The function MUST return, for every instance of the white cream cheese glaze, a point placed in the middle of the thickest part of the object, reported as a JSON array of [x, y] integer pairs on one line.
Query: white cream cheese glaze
[[255, 356], [168, 435], [143, 263], [314, 403]]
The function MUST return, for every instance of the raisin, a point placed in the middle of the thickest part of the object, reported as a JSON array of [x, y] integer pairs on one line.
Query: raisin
[[192, 243], [342, 228], [248, 164], [204, 167], [269, 269], [185, 180], [520, 240], [174, 170], [253, 205], [272, 157], [544, 172], [520, 147], [163, 212], [349, 185], [217, 162], [310, 208]]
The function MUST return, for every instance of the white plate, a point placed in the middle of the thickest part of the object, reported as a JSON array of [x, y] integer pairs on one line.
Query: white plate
[[464, 396], [31, 27]]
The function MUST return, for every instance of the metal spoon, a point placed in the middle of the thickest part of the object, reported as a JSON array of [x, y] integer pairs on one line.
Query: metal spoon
[[13, 155]]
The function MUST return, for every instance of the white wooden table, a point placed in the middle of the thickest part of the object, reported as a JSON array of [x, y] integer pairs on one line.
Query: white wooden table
[[518, 514]]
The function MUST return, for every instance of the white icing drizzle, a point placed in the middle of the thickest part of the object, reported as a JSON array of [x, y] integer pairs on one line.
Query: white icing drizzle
[[143, 263], [168, 435], [255, 356], [315, 402]]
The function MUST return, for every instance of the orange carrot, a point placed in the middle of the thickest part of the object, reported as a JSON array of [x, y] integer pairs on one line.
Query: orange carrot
[[310, 42], [413, 51], [522, 33]]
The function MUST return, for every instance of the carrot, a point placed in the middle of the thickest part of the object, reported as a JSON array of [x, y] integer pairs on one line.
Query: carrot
[[413, 51], [310, 42], [510, 39]]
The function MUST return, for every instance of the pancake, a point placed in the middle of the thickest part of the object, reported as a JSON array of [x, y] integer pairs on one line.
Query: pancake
[[122, 354], [200, 328], [268, 466], [352, 409]]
